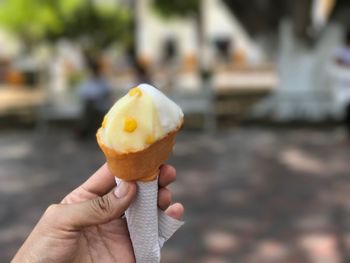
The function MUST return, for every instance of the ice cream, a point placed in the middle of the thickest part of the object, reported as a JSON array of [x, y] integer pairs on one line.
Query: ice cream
[[140, 118], [137, 136], [138, 133]]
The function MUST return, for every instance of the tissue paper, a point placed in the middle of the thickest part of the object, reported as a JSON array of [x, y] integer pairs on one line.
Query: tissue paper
[[149, 227]]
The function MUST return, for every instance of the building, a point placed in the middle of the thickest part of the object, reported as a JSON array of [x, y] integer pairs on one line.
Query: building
[[159, 38]]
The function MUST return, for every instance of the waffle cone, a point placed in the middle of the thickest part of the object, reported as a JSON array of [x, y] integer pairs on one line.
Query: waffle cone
[[141, 165]]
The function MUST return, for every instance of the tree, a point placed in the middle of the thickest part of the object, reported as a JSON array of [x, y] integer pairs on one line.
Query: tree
[[82, 20]]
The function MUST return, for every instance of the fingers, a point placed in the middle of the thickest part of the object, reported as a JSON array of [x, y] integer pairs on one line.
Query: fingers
[[164, 198], [167, 175], [175, 211], [101, 182], [99, 210]]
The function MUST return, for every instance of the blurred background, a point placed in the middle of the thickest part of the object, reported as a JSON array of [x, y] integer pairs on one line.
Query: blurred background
[[263, 160]]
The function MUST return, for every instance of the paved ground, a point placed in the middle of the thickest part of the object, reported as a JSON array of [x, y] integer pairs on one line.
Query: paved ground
[[251, 194]]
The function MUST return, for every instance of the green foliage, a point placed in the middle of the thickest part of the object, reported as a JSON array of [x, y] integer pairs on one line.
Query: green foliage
[[177, 7], [29, 18], [97, 24]]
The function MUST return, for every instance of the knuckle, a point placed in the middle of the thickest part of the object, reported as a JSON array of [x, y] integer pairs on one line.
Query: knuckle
[[164, 198], [166, 194], [53, 215], [52, 211], [172, 170], [102, 204]]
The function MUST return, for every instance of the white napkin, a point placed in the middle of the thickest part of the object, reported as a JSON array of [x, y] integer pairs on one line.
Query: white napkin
[[149, 227]]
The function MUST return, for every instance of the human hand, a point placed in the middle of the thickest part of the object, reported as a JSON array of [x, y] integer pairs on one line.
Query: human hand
[[87, 226]]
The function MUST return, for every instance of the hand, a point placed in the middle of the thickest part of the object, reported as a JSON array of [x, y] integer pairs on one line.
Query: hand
[[87, 225]]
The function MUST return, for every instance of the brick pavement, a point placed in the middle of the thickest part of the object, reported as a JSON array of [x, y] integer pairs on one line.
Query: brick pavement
[[251, 194]]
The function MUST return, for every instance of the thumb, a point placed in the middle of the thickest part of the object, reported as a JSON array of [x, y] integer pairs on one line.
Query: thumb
[[100, 210]]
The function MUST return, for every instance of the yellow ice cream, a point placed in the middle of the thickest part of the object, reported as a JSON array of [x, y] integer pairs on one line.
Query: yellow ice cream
[[132, 123]]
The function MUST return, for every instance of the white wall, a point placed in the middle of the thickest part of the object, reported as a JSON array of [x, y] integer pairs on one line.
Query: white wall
[[306, 90], [153, 30], [10, 46], [219, 21]]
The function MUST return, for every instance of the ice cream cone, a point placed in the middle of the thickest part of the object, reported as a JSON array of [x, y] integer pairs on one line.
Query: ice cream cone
[[141, 165]]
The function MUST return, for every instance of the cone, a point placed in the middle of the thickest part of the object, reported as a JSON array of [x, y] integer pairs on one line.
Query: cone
[[142, 165]]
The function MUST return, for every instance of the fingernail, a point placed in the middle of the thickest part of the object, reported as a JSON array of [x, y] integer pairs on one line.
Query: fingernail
[[121, 190]]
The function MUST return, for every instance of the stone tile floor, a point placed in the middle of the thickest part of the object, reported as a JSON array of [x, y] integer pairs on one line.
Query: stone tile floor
[[251, 194]]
